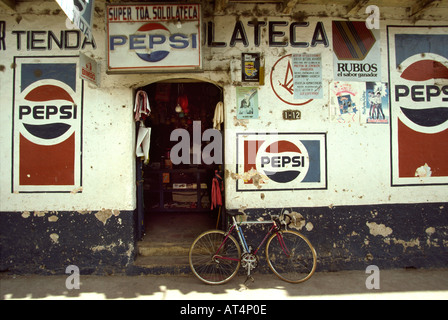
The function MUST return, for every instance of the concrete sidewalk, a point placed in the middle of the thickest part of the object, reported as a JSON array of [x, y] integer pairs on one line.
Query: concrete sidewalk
[[394, 284]]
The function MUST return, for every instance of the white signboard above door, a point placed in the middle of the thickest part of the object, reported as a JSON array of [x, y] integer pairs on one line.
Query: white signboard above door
[[154, 37]]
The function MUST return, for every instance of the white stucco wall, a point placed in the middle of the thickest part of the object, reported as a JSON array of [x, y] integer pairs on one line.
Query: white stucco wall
[[358, 155], [108, 170]]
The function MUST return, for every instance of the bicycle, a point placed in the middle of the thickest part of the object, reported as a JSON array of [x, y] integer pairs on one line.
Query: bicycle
[[215, 256]]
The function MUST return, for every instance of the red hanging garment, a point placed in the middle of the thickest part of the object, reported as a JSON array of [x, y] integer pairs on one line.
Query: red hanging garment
[[216, 191]]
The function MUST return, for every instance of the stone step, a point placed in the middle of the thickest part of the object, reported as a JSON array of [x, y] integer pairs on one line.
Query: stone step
[[163, 264], [163, 258], [163, 248]]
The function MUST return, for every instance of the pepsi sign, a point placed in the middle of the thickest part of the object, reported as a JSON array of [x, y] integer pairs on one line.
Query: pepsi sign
[[281, 161], [154, 37], [418, 76], [47, 124]]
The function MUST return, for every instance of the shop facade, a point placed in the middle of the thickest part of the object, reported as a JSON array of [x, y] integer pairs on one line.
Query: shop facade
[[338, 123]]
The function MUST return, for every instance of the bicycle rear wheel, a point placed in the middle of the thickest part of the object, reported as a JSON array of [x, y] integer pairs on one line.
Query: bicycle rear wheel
[[291, 256], [213, 260]]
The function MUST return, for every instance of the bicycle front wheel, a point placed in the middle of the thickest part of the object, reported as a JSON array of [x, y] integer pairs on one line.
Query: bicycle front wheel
[[291, 256], [213, 258]]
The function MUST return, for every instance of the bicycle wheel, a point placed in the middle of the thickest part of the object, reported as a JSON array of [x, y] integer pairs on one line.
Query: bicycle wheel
[[212, 260], [291, 256]]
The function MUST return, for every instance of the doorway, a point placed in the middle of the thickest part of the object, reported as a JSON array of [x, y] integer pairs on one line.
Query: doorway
[[177, 198]]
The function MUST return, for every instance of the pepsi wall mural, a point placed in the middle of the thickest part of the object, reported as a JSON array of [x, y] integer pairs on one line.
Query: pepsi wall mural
[[418, 74], [47, 126], [281, 161]]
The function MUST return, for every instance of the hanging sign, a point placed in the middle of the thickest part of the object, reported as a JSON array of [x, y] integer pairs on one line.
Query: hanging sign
[[80, 13], [88, 69], [156, 37]]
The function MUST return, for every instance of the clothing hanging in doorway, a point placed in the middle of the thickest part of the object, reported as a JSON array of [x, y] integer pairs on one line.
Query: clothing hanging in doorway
[[143, 142], [141, 106], [219, 116], [142, 110], [216, 191]]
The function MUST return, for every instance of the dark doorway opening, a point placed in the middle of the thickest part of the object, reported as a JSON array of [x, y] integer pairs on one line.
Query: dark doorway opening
[[177, 198]]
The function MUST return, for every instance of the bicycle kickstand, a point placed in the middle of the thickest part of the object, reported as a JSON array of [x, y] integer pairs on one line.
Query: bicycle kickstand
[[244, 286], [249, 277]]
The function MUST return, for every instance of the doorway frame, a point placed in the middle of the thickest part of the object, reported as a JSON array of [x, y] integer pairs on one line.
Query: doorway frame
[[139, 190]]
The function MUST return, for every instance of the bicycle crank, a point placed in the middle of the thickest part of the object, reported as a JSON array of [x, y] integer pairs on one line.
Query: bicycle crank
[[249, 261]]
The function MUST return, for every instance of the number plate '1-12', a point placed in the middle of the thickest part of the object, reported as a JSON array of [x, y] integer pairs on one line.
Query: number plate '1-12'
[[291, 115]]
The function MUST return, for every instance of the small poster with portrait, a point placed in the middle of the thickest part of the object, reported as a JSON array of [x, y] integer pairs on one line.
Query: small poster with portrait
[[247, 102]]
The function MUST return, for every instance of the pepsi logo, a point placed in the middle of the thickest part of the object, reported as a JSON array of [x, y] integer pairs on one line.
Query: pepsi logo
[[422, 94], [158, 38], [153, 42], [418, 77], [283, 161], [47, 126], [46, 112]]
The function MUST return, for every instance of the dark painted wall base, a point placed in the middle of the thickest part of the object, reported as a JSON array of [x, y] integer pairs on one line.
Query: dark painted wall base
[[353, 237], [46, 243], [345, 238]]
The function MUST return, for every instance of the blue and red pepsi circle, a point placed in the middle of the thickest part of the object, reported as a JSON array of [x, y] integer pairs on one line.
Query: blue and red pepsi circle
[[283, 161]]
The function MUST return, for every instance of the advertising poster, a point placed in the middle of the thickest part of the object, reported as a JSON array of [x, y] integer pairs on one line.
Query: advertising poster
[[307, 74], [251, 67], [418, 79], [247, 102], [281, 161], [346, 101], [356, 51], [376, 103]]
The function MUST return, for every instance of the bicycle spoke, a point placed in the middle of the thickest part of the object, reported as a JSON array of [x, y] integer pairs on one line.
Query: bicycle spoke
[[291, 256], [208, 264]]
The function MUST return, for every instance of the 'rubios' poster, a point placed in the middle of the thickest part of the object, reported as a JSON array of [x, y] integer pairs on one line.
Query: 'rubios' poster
[[356, 51]]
